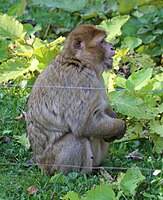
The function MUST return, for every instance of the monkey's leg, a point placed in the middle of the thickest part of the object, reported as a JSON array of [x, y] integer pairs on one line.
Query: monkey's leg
[[99, 149], [69, 154]]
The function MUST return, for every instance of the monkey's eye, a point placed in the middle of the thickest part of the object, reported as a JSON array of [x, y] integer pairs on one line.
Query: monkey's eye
[[102, 41]]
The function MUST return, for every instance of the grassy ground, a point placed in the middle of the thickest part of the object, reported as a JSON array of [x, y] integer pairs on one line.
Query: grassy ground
[[16, 179]]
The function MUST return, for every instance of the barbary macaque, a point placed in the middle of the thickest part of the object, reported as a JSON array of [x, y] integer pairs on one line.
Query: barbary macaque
[[69, 128]]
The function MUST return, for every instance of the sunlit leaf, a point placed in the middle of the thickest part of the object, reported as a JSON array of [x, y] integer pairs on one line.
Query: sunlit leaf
[[139, 79], [113, 26], [71, 196], [23, 50], [10, 28], [16, 67], [22, 139]]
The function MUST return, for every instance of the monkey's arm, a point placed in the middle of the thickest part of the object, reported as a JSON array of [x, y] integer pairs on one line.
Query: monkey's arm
[[102, 125], [98, 124]]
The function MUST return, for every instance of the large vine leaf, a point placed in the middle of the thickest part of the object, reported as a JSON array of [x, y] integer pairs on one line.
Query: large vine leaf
[[102, 192], [131, 180], [68, 5], [139, 79], [16, 67], [10, 28], [113, 26], [131, 42], [129, 104]]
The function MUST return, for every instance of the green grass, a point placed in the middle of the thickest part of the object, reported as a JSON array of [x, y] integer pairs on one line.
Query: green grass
[[16, 179]]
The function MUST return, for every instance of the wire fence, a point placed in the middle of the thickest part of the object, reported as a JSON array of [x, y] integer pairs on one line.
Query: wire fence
[[73, 87], [76, 166]]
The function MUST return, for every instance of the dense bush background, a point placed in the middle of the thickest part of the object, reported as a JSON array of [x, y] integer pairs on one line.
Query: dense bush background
[[32, 33]]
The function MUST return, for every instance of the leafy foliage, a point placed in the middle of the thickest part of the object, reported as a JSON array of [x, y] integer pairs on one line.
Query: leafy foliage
[[10, 28], [135, 91], [24, 53], [130, 181]]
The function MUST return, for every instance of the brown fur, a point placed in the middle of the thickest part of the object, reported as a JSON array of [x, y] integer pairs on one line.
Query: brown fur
[[70, 126]]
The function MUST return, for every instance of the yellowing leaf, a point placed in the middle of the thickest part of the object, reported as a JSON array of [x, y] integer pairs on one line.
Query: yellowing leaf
[[23, 50], [113, 26], [14, 68], [11, 28], [71, 196], [22, 139]]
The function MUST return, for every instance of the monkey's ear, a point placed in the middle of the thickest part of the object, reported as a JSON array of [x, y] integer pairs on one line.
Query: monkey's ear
[[78, 44]]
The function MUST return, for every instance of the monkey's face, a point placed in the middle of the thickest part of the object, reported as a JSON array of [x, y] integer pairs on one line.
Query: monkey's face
[[87, 43], [108, 54]]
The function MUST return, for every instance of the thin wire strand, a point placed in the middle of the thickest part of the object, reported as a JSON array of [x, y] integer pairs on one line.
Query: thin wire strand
[[76, 166], [74, 87]]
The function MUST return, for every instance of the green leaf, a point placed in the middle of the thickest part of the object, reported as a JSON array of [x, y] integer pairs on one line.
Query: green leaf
[[23, 50], [131, 180], [113, 26], [102, 192], [120, 82], [109, 80], [46, 52], [139, 79], [129, 104], [71, 196], [3, 50], [68, 5], [17, 8], [156, 83], [11, 28], [16, 67], [130, 28], [60, 178], [92, 9], [23, 139], [131, 42], [157, 128], [158, 144], [44, 55], [125, 6]]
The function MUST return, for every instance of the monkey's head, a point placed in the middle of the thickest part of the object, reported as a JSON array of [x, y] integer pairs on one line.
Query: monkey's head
[[87, 43]]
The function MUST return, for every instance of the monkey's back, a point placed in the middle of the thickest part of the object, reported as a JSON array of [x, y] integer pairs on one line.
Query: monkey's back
[[54, 111]]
